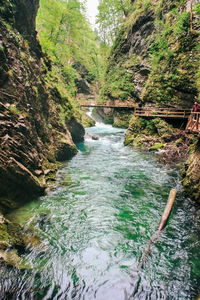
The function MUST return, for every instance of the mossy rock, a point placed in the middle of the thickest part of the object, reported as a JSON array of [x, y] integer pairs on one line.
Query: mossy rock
[[129, 138], [156, 146], [137, 124], [87, 121], [5, 238]]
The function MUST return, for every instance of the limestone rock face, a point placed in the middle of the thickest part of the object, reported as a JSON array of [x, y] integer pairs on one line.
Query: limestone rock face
[[76, 129], [155, 58], [33, 115]]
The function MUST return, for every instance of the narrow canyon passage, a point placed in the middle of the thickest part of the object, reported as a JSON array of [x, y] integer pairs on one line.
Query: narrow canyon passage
[[96, 222]]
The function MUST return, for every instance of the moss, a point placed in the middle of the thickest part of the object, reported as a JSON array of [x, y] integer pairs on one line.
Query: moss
[[170, 51], [137, 142], [13, 109], [87, 121], [35, 90], [122, 119], [129, 138], [66, 150], [156, 146], [5, 239]]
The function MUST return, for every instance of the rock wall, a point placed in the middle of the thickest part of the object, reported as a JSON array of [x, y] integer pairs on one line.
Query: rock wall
[[37, 125], [118, 117], [155, 58]]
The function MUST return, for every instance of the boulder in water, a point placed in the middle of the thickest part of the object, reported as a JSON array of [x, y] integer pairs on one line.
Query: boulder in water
[[95, 137]]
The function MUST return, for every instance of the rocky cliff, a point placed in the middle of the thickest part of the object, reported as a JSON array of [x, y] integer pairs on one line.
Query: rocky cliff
[[37, 125], [155, 61], [155, 57]]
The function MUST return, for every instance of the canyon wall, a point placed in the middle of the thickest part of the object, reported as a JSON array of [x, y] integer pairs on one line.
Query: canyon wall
[[38, 127]]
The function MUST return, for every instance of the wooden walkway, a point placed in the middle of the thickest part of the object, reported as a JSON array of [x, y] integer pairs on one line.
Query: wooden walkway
[[144, 112], [109, 105], [162, 113], [193, 124], [141, 112]]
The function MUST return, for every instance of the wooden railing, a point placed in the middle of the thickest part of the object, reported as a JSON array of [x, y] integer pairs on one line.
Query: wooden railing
[[140, 112], [110, 105], [162, 113], [193, 124]]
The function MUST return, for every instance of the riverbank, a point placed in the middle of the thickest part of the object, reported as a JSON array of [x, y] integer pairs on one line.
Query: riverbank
[[173, 147]]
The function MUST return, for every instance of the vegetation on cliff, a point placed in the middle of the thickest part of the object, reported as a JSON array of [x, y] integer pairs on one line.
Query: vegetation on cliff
[[154, 60], [38, 121], [66, 36], [158, 135], [155, 57]]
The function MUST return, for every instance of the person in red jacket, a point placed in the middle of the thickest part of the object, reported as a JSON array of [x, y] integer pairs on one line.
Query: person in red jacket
[[196, 109]]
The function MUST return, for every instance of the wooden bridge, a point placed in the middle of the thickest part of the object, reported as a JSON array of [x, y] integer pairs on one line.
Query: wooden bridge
[[162, 113], [141, 112], [109, 104], [193, 124]]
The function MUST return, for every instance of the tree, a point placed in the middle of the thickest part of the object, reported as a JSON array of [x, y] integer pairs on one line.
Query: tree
[[110, 17], [67, 37]]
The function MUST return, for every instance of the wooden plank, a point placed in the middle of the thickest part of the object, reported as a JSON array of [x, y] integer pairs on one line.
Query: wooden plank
[[159, 115]]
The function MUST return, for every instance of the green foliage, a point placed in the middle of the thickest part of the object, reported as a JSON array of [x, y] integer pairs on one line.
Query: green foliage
[[110, 17], [172, 54], [182, 23], [197, 9], [66, 36], [147, 4], [118, 85]]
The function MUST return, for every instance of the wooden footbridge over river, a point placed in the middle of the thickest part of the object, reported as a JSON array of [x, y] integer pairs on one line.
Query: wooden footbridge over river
[[193, 124]]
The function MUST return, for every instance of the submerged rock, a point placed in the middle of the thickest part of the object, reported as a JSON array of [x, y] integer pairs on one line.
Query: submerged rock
[[95, 137]]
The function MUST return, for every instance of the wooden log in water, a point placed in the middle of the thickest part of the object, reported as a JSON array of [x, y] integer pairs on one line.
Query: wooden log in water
[[167, 211], [161, 226]]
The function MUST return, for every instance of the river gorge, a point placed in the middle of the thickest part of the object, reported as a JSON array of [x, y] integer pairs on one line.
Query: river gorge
[[96, 221]]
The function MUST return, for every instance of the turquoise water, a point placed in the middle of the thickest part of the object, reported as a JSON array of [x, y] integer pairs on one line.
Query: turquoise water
[[95, 224]]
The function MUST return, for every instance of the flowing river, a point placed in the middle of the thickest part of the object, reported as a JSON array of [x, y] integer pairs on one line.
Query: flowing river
[[95, 224]]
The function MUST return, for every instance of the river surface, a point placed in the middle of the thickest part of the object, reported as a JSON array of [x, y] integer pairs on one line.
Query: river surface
[[95, 224]]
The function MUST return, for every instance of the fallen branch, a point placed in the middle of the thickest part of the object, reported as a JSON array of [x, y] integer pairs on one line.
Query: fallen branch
[[161, 226]]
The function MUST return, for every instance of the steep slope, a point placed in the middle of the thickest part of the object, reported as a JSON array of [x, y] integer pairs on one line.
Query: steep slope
[[35, 120], [71, 45], [155, 57], [156, 60]]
